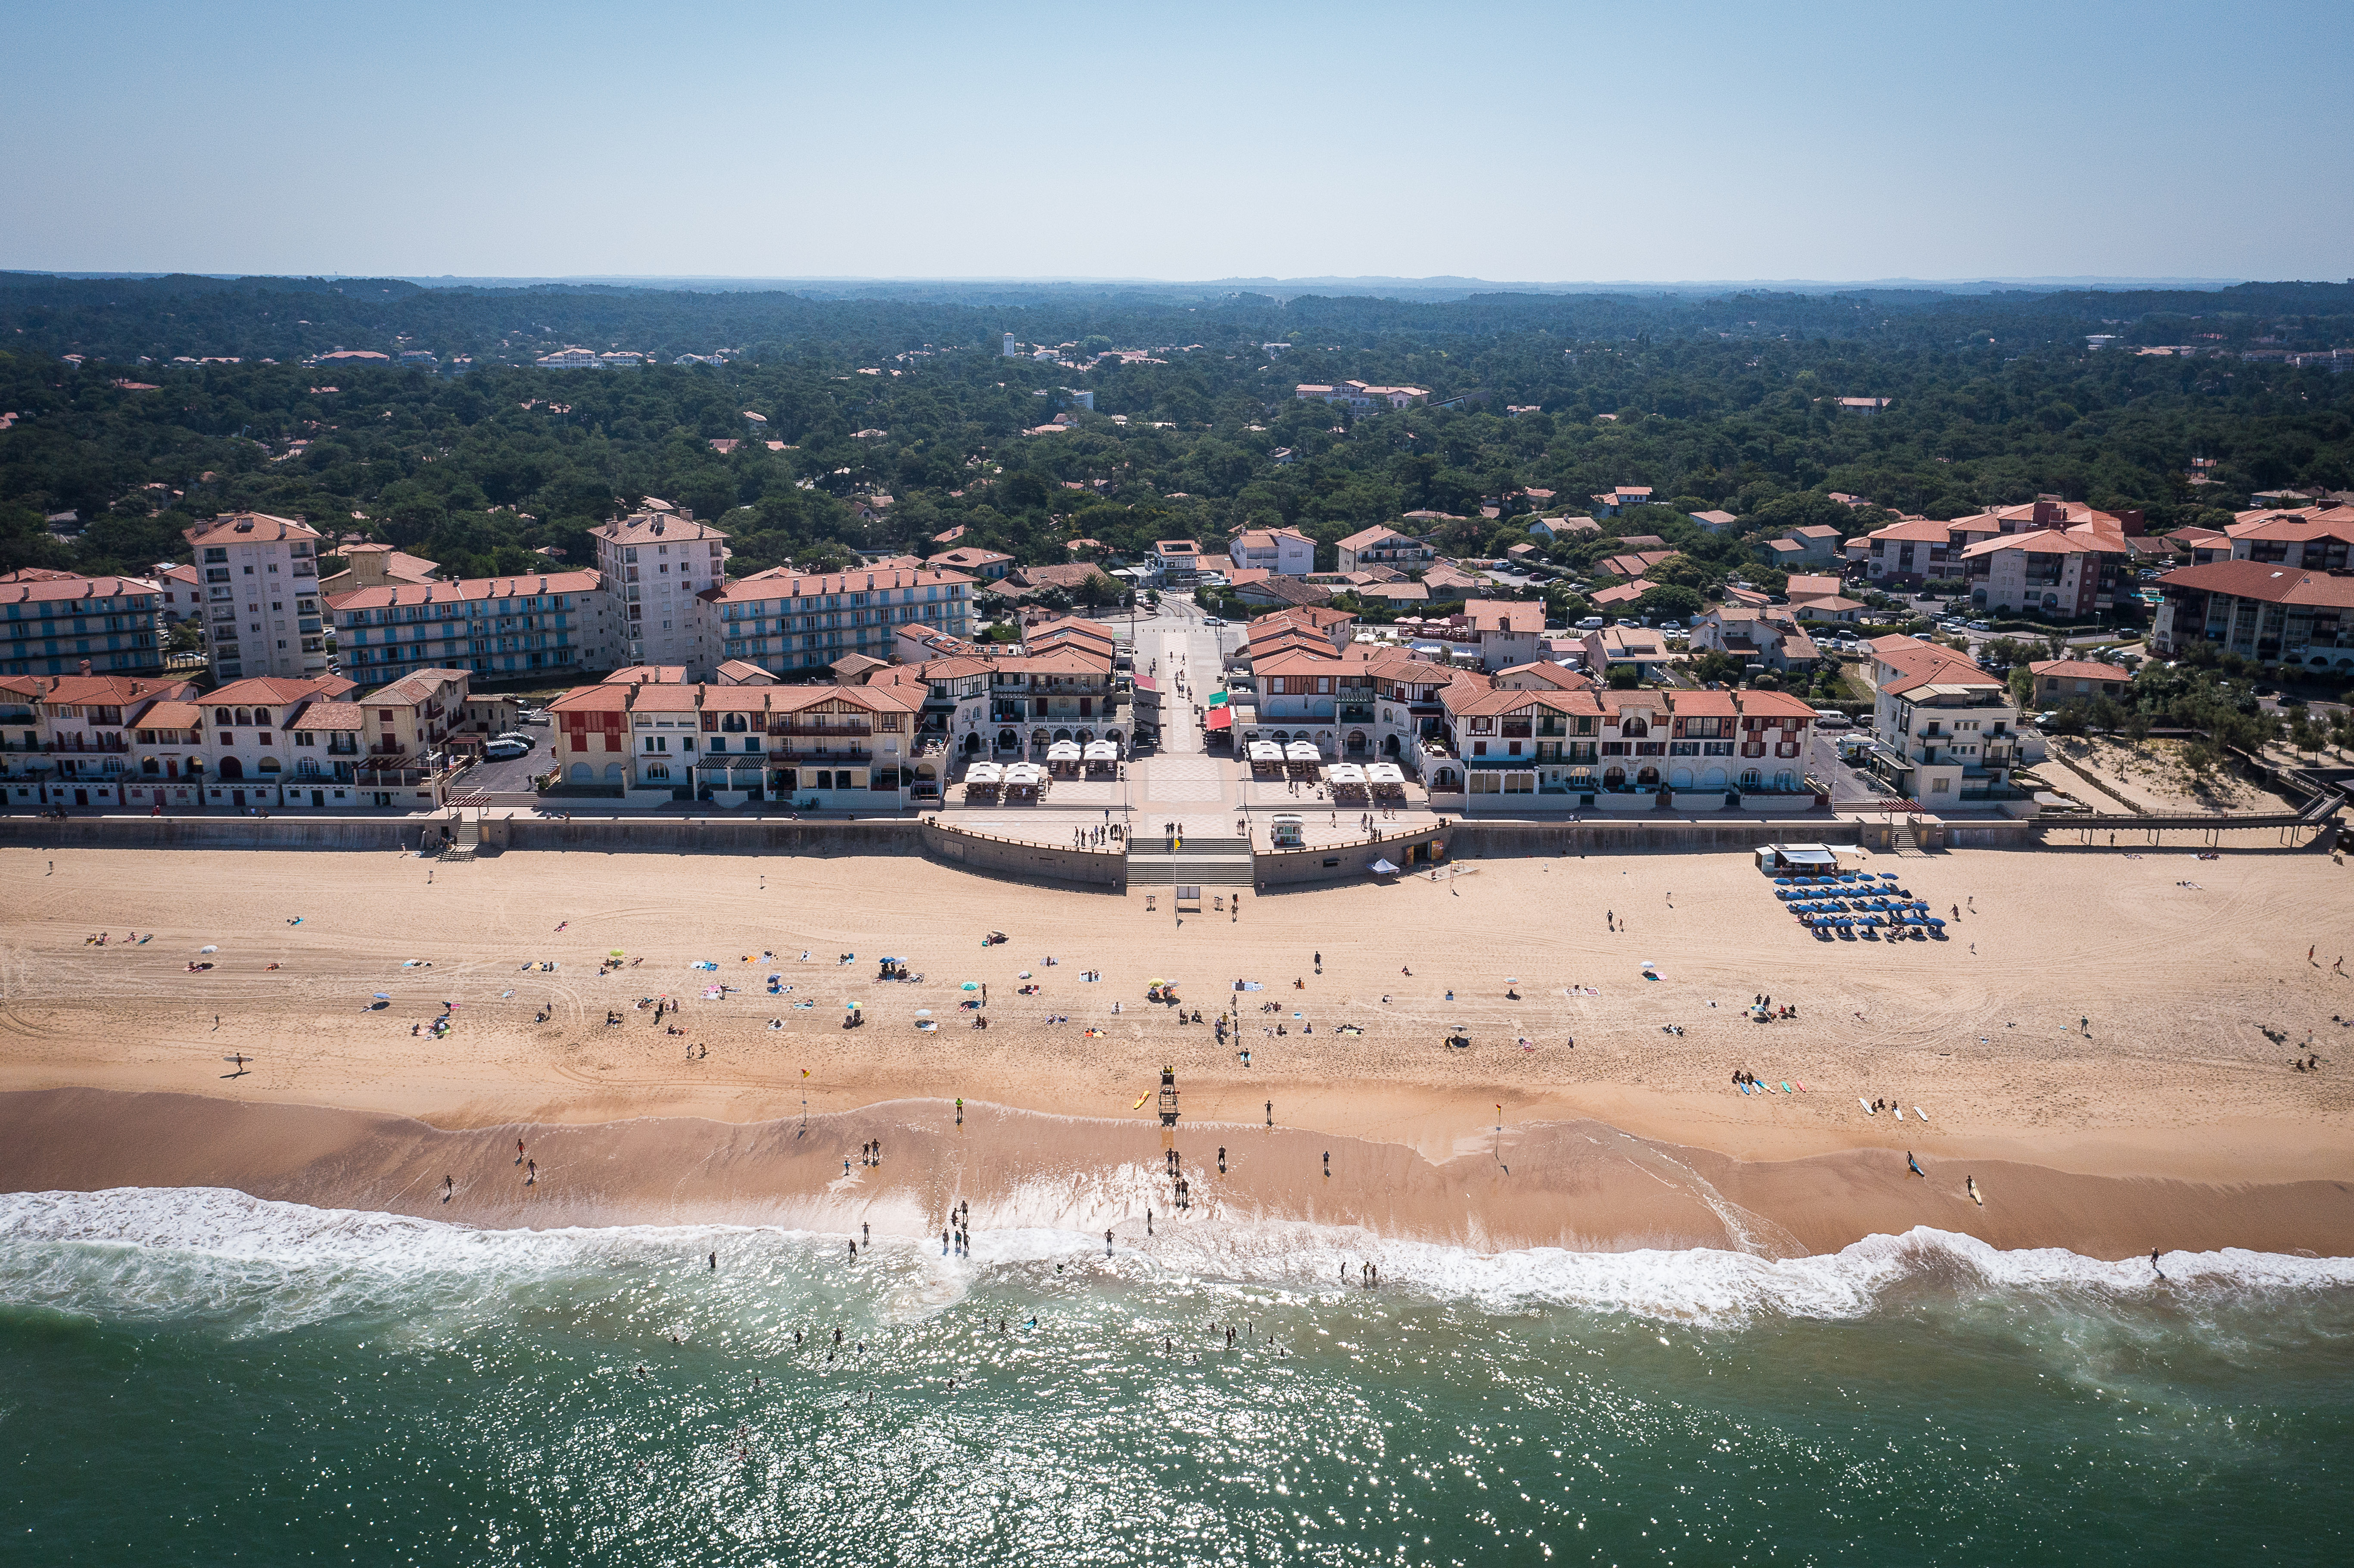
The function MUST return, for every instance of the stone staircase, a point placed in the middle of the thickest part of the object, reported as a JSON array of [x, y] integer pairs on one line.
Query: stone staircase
[[1203, 863], [465, 840]]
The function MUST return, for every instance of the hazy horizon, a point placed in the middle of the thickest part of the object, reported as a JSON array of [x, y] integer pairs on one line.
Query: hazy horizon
[[1510, 141]]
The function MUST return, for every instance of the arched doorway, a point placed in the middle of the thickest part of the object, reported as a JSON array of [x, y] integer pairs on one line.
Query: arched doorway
[[1390, 746], [1358, 744], [583, 774], [1060, 734], [1040, 738], [1785, 780], [1446, 779], [1083, 736], [1614, 779], [972, 743], [1680, 779], [1648, 779], [230, 768], [1008, 741], [1751, 779]]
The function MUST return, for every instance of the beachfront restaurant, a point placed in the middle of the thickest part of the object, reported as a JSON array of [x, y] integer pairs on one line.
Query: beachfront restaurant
[[1347, 781], [1266, 760], [1063, 758], [982, 782], [1302, 760], [1385, 781], [1103, 759]]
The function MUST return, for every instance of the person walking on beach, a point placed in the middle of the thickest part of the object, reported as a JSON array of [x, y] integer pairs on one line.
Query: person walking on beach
[[531, 1173], [518, 1150], [2153, 1264]]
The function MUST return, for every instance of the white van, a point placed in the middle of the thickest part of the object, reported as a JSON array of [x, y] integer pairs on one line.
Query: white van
[[1831, 719], [1591, 623]]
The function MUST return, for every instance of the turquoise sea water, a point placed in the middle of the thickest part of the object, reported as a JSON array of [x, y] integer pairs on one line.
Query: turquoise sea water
[[199, 1377]]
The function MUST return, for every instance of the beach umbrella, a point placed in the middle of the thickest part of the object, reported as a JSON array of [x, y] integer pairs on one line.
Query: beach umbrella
[[383, 996], [923, 1012], [969, 985], [1382, 868], [208, 950]]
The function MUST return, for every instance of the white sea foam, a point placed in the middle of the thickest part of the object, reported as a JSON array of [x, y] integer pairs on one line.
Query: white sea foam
[[143, 1252]]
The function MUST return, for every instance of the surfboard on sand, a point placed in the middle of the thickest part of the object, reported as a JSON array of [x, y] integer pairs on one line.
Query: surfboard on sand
[[1899, 1112], [1919, 1112], [1972, 1182], [1866, 1105]]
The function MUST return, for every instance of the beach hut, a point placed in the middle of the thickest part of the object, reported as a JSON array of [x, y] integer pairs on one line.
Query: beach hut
[[1807, 860]]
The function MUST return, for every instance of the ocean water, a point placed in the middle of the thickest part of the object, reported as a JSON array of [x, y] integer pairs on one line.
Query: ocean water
[[201, 1377]]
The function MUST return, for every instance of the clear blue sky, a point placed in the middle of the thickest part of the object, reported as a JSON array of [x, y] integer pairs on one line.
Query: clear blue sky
[[1514, 142]]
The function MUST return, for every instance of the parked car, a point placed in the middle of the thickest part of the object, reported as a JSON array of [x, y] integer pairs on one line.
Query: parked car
[[1831, 719], [536, 715], [1591, 623], [514, 737], [1981, 626], [503, 750], [1212, 620]]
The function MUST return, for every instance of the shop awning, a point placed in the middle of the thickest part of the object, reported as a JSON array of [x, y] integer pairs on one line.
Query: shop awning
[[1220, 718]]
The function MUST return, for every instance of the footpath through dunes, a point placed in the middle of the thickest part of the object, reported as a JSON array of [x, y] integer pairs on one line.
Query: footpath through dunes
[[2140, 1021], [1579, 1186]]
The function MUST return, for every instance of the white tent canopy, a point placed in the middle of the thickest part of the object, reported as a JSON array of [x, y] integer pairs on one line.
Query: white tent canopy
[[1344, 773], [1102, 751], [984, 773], [1384, 773], [1301, 751], [1024, 773], [1382, 868], [1062, 751], [1265, 751]]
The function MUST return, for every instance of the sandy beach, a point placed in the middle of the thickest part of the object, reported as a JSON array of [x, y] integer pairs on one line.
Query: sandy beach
[[2171, 1119]]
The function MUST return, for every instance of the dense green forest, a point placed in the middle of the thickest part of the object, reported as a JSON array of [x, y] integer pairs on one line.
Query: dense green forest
[[1726, 402]]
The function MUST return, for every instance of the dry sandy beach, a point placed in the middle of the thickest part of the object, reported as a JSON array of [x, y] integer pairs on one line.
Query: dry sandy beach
[[2175, 1121]]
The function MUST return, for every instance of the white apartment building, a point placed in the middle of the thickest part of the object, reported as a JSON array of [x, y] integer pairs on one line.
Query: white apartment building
[[654, 563], [1287, 552], [1945, 732], [262, 595]]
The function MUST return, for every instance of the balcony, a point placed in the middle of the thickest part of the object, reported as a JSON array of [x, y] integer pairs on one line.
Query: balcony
[[819, 751], [827, 731]]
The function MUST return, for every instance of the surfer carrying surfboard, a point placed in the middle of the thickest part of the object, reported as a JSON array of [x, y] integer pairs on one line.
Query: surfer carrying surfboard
[[1915, 1166]]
